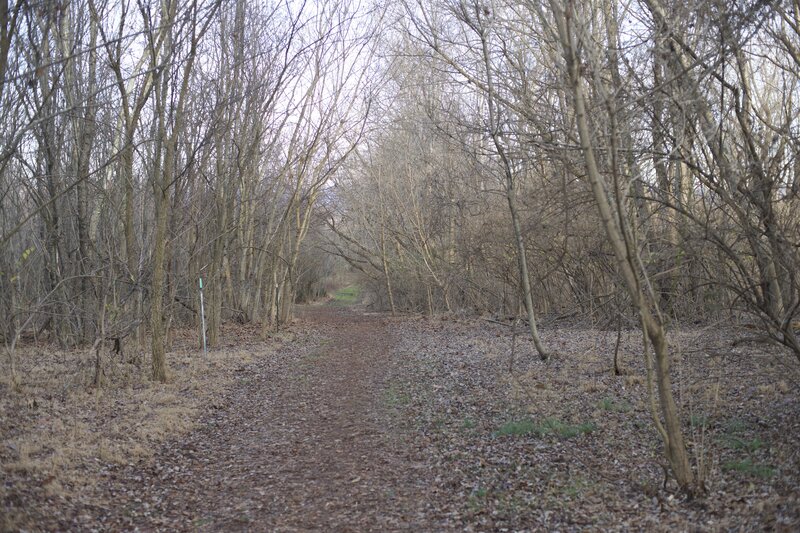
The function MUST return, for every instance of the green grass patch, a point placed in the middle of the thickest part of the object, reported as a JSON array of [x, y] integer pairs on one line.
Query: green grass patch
[[576, 487], [477, 499], [735, 443], [468, 423], [749, 468], [698, 421], [736, 425], [734, 437], [516, 428], [395, 396], [549, 426], [608, 404], [347, 295]]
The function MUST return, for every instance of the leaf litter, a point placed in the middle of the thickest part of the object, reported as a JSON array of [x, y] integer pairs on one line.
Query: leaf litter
[[365, 422]]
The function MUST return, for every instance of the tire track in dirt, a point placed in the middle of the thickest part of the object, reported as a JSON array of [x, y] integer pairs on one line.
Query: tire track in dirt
[[305, 443]]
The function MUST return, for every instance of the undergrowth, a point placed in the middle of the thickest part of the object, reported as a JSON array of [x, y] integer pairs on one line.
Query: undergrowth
[[347, 295], [548, 426]]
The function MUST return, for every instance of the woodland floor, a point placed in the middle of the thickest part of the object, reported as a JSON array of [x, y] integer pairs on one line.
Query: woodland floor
[[354, 421]]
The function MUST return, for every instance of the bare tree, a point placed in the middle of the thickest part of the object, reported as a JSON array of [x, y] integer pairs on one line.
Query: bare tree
[[629, 262], [166, 145]]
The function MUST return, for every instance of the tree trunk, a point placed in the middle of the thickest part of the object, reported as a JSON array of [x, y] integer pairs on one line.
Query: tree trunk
[[628, 262], [522, 262], [510, 190], [161, 178]]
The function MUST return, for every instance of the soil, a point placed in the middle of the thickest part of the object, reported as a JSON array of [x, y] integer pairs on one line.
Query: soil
[[299, 446], [376, 423]]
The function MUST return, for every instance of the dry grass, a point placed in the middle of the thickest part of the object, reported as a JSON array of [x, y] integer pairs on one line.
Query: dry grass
[[57, 430]]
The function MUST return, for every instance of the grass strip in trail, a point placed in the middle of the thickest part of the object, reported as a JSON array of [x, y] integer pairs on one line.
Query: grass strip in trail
[[349, 295]]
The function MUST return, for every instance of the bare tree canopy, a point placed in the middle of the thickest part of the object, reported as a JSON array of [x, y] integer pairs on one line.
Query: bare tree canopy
[[625, 163]]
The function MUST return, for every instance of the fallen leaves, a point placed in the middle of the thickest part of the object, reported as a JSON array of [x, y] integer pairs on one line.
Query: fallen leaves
[[525, 448], [369, 422]]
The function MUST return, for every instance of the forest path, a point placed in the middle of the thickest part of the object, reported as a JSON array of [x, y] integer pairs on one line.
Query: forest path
[[348, 421], [304, 442]]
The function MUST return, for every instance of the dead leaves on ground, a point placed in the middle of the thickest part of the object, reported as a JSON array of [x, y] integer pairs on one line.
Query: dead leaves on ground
[[566, 444], [468, 438]]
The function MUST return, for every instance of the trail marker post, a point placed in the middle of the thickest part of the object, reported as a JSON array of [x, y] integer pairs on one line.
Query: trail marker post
[[203, 318]]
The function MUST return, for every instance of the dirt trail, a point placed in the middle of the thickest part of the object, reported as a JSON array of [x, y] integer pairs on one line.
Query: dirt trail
[[303, 444], [369, 423]]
